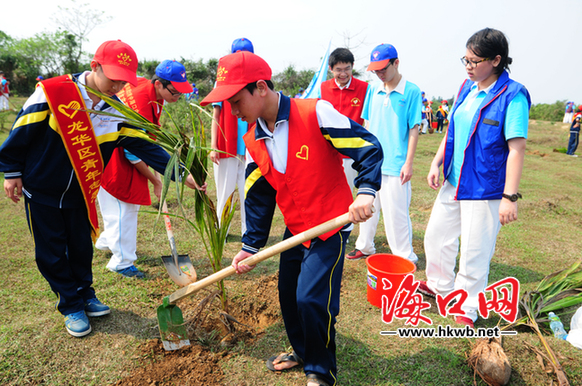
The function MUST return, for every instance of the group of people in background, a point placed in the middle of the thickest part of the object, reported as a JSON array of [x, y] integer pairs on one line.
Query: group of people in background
[[433, 122], [306, 156]]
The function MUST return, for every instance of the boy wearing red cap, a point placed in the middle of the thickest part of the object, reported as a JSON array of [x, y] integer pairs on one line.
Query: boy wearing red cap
[[55, 155], [227, 137], [295, 162], [124, 185]]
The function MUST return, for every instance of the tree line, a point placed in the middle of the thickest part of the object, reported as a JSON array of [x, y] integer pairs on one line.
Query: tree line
[[51, 54]]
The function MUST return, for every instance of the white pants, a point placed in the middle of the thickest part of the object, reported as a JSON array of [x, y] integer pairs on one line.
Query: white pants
[[228, 175], [119, 230], [568, 117], [4, 102], [476, 222], [424, 124], [394, 200], [350, 172]]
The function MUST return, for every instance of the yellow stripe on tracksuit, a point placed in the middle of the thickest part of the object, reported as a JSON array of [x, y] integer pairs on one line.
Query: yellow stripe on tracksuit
[[31, 118], [347, 143], [124, 132], [329, 297], [251, 179]]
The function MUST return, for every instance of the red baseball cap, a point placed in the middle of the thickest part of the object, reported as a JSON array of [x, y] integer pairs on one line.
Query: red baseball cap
[[118, 61], [235, 71]]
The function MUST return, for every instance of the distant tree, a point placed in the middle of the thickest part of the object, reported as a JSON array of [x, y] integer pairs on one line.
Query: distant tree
[[548, 112], [290, 80], [47, 54], [203, 74], [78, 20], [147, 68]]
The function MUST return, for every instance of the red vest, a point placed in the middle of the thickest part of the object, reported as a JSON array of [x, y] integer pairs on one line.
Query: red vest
[[349, 101], [121, 179], [227, 133], [314, 187]]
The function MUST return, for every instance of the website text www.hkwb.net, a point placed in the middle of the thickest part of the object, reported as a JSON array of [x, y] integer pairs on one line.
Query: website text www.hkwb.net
[[447, 331]]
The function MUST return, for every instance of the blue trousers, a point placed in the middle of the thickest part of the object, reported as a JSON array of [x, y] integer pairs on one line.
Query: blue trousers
[[309, 295], [64, 253], [573, 142]]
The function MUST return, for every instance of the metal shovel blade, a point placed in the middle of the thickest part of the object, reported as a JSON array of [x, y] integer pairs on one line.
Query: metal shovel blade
[[172, 329], [181, 274]]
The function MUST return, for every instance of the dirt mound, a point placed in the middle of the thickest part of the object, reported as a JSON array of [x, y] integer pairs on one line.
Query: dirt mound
[[211, 333], [191, 365]]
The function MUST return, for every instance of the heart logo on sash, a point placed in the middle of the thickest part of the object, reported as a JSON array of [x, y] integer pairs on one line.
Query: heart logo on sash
[[303, 153], [74, 105]]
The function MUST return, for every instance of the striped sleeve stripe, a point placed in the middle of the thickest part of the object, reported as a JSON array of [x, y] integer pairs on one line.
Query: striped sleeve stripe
[[369, 191], [347, 143], [31, 118], [249, 249], [251, 179], [9, 175]]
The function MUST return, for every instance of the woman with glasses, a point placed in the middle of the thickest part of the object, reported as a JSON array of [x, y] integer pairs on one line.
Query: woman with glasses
[[482, 157]]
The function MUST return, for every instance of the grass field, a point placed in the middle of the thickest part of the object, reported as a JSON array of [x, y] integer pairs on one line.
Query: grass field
[[36, 349]]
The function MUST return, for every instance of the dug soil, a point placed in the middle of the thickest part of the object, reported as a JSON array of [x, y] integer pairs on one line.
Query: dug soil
[[209, 329]]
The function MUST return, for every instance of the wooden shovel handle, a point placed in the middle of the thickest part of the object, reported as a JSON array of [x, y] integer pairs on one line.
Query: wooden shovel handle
[[282, 246]]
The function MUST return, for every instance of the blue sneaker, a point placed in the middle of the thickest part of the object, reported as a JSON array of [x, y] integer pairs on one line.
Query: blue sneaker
[[77, 324], [93, 307], [131, 271]]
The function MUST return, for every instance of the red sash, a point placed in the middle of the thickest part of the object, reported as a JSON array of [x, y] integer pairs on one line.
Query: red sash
[[75, 128]]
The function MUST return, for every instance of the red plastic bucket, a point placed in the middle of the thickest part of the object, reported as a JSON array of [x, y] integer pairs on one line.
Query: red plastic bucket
[[385, 266], [434, 124]]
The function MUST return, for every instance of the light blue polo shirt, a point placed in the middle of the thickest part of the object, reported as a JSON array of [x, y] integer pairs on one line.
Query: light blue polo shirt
[[390, 118], [515, 125]]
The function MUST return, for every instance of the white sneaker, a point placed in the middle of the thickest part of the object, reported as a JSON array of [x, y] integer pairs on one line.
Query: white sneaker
[[573, 155]]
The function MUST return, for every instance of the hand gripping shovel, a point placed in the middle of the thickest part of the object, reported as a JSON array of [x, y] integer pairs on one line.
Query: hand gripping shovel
[[179, 267], [170, 319]]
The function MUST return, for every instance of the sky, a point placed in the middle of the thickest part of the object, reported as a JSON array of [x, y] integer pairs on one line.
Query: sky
[[430, 36]]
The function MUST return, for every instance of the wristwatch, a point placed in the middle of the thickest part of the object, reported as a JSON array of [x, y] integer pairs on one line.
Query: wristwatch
[[512, 197]]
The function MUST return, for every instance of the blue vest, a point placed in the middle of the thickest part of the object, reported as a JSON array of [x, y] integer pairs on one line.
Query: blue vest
[[482, 175]]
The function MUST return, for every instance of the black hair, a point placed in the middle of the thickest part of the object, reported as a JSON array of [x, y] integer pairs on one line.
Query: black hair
[[164, 82], [341, 55], [488, 43], [251, 87]]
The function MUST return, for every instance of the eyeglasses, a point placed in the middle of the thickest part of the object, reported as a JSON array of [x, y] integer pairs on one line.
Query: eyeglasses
[[382, 70], [346, 70], [472, 63], [174, 93]]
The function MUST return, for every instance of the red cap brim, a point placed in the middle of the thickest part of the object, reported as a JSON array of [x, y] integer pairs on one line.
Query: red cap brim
[[183, 87], [119, 73], [222, 93], [375, 66]]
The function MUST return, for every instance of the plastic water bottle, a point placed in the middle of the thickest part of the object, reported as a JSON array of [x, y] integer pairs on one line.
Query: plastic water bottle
[[557, 326]]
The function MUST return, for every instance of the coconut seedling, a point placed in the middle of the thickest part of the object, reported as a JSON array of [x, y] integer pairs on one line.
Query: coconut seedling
[[557, 291]]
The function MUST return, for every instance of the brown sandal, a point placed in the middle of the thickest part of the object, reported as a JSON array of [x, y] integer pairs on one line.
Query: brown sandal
[[314, 378]]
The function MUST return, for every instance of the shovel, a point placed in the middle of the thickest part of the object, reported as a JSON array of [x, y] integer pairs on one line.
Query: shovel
[[170, 319], [179, 267]]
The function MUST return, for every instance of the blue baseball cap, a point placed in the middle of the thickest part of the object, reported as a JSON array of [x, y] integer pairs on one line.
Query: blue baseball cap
[[381, 55], [242, 44], [40, 77], [175, 72]]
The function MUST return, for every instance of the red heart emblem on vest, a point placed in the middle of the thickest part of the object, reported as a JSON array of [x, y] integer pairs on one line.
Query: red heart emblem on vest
[[303, 153]]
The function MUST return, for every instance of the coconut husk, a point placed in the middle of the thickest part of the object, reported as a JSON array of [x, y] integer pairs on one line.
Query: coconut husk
[[489, 361]]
